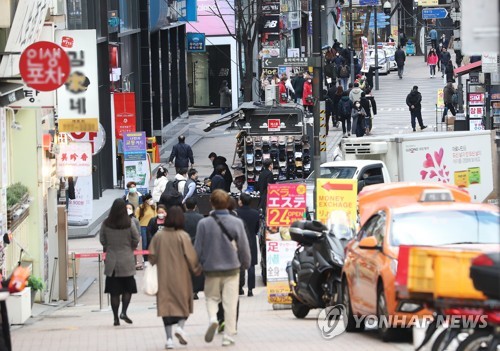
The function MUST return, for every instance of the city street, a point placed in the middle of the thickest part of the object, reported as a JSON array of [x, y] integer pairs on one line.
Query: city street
[[80, 328]]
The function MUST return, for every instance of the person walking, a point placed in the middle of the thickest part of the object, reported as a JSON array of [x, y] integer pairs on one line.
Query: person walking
[[251, 218], [450, 75], [220, 160], [264, 82], [156, 223], [172, 251], [265, 178], [139, 259], [225, 98], [192, 217], [144, 213], [298, 87], [344, 112], [373, 109], [133, 196], [367, 106], [400, 58], [160, 183], [222, 247], [358, 115], [335, 105], [433, 34], [218, 181], [355, 93], [182, 153], [283, 95], [190, 187], [432, 60], [414, 102], [344, 74], [443, 42], [448, 92], [119, 238], [307, 94], [445, 58]]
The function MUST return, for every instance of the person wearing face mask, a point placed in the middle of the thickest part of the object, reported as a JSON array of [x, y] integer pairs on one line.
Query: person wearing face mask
[[307, 94], [144, 214], [156, 223], [135, 222], [358, 119], [190, 187], [133, 196]]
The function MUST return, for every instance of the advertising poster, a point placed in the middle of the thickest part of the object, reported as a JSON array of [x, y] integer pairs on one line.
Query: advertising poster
[[80, 209], [195, 42], [365, 64], [286, 203], [465, 162], [74, 160], [78, 98], [440, 98], [278, 254], [136, 165], [125, 115], [335, 195]]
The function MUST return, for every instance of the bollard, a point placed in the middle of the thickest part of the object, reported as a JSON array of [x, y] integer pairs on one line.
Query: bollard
[[75, 284], [101, 289], [54, 270]]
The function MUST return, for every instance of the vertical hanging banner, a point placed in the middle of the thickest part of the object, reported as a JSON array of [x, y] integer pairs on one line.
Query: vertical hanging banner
[[365, 65], [74, 160], [80, 209], [78, 98], [125, 115], [136, 165], [278, 254]]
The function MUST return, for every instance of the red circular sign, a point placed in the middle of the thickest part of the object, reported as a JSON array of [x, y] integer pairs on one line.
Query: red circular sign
[[44, 66]]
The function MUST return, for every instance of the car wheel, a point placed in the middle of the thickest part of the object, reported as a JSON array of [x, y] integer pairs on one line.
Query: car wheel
[[442, 344], [346, 301], [480, 340], [386, 332], [299, 309]]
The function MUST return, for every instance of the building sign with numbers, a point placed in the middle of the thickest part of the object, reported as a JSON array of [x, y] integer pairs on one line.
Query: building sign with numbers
[[278, 254], [78, 98], [286, 203]]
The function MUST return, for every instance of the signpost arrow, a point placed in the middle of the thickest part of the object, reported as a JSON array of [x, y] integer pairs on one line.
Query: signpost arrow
[[332, 186], [434, 13]]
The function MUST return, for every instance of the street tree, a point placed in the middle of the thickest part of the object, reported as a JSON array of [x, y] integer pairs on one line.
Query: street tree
[[248, 17]]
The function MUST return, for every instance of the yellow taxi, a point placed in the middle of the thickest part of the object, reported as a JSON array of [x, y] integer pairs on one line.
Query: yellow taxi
[[397, 214]]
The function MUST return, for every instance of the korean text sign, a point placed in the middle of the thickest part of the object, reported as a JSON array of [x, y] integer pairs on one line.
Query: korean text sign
[[78, 98], [278, 254], [74, 160], [125, 115], [286, 203], [136, 162], [336, 194]]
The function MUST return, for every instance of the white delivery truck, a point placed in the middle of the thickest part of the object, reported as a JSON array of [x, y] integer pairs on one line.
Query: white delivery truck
[[465, 159]]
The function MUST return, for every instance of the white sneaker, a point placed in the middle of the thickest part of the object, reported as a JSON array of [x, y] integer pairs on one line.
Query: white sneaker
[[170, 344], [212, 328], [181, 335], [227, 340]]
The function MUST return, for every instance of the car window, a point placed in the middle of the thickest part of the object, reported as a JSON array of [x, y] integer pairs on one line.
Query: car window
[[445, 227], [367, 228], [338, 172], [378, 229]]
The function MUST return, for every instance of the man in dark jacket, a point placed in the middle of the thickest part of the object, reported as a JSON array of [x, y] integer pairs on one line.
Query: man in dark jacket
[[400, 58], [445, 58], [414, 102], [448, 92], [251, 218], [221, 160], [265, 178], [344, 109], [218, 181], [182, 154], [298, 86]]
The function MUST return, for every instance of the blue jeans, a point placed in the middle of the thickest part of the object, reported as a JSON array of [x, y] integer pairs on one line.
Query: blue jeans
[[144, 238]]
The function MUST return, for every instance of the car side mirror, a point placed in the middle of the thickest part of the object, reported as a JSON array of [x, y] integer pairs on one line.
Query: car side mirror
[[369, 243]]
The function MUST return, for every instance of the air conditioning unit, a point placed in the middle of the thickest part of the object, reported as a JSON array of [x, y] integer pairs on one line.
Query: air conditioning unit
[[271, 95], [366, 148]]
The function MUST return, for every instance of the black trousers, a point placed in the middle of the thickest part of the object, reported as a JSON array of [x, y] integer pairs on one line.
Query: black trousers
[[416, 114]]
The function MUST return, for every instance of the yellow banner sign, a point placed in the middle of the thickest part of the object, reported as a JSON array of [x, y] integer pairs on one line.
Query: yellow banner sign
[[334, 195], [440, 98]]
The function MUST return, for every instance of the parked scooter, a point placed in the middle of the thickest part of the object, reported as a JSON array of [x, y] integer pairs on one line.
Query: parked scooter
[[314, 274]]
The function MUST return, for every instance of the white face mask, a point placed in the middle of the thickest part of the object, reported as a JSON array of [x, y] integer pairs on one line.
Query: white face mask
[[150, 202], [129, 211], [161, 215]]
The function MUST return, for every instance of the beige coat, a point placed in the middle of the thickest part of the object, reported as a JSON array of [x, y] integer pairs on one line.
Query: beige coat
[[172, 251]]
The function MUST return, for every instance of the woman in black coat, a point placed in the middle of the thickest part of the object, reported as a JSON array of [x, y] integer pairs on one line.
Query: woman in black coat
[[218, 181]]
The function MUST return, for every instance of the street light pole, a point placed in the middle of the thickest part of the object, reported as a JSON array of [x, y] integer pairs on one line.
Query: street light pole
[[351, 34], [376, 48], [317, 89]]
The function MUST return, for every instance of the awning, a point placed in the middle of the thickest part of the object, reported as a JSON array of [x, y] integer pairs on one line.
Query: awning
[[466, 69], [10, 93]]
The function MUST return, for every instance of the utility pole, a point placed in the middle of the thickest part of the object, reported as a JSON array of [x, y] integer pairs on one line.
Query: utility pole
[[317, 88], [351, 34], [376, 47]]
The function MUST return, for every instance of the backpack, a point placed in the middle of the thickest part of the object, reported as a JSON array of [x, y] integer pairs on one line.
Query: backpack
[[454, 99], [345, 107], [344, 71], [171, 195]]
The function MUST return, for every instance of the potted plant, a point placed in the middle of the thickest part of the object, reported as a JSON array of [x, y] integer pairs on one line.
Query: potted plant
[[35, 283], [17, 208]]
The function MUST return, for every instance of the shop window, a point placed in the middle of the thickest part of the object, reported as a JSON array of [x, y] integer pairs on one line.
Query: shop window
[[77, 14], [128, 15]]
